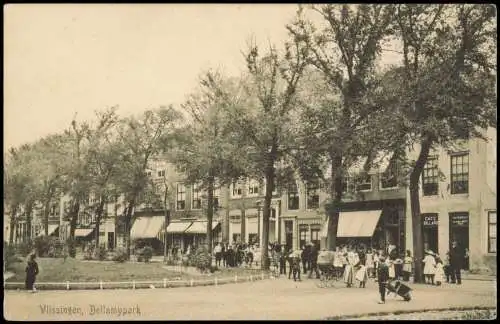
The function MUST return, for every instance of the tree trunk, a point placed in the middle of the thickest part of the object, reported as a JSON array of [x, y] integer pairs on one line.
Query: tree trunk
[[46, 211], [210, 214], [12, 225], [100, 211], [128, 225], [270, 172], [336, 198], [29, 221], [75, 209], [416, 219]]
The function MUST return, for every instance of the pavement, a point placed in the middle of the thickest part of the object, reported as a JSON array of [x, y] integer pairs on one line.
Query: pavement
[[273, 299]]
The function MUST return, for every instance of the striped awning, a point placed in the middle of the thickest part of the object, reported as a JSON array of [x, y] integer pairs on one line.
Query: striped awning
[[83, 232], [178, 227], [310, 221], [199, 227], [147, 227], [52, 229]]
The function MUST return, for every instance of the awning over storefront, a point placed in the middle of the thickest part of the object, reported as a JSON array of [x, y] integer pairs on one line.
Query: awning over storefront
[[358, 223], [200, 227], [83, 232], [52, 229], [178, 227], [147, 227]]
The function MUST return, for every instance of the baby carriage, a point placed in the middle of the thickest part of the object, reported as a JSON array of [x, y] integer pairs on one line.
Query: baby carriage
[[399, 288], [326, 268]]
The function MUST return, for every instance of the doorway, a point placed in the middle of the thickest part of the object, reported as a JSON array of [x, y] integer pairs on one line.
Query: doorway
[[430, 232], [459, 232], [111, 240], [289, 234]]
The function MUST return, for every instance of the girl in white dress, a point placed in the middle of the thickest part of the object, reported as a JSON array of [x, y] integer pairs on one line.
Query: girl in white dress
[[439, 272], [429, 267]]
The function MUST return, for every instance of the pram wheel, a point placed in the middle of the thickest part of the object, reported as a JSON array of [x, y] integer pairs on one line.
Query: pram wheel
[[407, 297]]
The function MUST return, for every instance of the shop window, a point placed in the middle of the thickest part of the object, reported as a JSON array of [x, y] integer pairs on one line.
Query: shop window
[[460, 173], [315, 236], [492, 232], [293, 197], [312, 194], [181, 196], [303, 235], [430, 177], [364, 182], [430, 231]]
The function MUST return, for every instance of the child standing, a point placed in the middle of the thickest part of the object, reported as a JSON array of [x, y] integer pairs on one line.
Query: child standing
[[439, 272], [382, 278], [407, 266], [429, 267]]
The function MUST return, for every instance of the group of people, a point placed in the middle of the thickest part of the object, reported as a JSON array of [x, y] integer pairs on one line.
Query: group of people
[[236, 254], [436, 271]]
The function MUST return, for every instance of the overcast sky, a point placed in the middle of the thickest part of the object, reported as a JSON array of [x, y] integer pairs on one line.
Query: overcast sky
[[65, 59]]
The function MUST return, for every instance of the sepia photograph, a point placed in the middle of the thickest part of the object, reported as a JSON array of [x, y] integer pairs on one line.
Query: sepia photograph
[[250, 162]]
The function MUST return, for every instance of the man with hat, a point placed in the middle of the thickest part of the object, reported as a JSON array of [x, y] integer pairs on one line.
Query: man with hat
[[456, 263]]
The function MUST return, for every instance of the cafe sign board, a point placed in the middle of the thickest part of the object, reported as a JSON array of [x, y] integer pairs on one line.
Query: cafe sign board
[[430, 219], [460, 219]]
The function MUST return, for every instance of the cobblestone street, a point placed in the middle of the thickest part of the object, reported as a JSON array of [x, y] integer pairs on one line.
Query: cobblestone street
[[269, 299]]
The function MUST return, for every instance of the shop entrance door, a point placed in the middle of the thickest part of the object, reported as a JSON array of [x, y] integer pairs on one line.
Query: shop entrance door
[[459, 232], [430, 231], [289, 234]]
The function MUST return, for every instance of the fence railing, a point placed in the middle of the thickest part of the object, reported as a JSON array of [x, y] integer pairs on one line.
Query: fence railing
[[150, 284]]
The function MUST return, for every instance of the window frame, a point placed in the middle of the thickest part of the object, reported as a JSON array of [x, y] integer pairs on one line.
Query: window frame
[[316, 231], [183, 193], [316, 189], [489, 232], [359, 178], [432, 178], [390, 170], [236, 185], [295, 196], [196, 192], [453, 176], [254, 186]]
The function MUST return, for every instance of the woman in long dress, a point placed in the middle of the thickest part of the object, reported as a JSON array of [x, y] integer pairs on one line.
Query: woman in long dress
[[429, 267], [352, 260], [369, 263]]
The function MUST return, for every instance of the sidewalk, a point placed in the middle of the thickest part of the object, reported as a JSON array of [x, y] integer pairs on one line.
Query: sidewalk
[[280, 299]]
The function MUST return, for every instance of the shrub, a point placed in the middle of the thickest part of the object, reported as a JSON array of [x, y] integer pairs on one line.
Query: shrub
[[23, 249], [145, 254], [9, 256], [201, 259], [47, 246], [120, 255], [100, 254]]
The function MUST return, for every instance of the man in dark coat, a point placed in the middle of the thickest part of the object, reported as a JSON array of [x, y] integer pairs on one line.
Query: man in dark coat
[[456, 263], [382, 278], [31, 273], [313, 258]]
